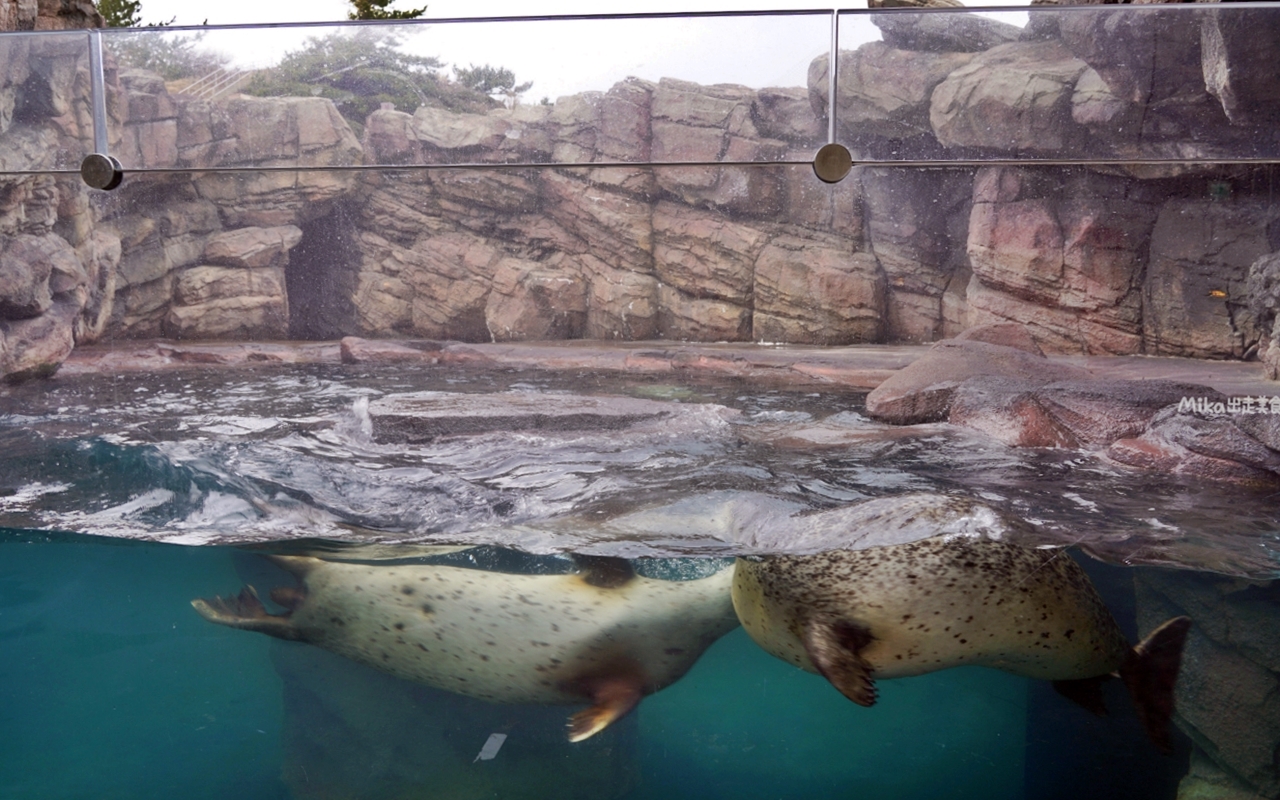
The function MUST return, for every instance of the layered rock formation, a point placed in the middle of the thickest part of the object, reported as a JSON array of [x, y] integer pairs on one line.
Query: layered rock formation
[[1110, 260], [57, 271], [995, 379]]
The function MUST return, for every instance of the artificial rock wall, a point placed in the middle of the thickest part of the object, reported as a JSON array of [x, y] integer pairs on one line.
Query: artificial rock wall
[[1106, 260]]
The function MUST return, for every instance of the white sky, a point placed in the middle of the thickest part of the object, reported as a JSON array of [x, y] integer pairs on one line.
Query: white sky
[[560, 57]]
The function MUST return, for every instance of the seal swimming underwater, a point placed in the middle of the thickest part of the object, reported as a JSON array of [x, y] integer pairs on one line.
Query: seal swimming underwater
[[897, 610], [603, 635]]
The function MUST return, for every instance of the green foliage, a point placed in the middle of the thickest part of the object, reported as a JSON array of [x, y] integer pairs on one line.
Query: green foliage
[[172, 56], [125, 14], [121, 13], [491, 81], [376, 9], [361, 68]]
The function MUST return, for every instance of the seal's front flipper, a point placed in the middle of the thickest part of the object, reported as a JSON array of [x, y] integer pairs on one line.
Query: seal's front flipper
[[835, 648], [1086, 692], [613, 698], [1150, 672], [604, 572], [245, 611]]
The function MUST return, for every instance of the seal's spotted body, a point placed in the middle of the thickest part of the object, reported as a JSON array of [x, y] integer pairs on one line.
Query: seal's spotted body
[[934, 604], [906, 609], [505, 638]]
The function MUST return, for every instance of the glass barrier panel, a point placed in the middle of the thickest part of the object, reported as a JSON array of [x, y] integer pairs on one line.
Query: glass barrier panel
[[628, 480], [1138, 82], [46, 121], [533, 91]]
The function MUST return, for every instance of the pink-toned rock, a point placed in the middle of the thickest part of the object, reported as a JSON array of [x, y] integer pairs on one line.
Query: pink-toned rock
[[923, 391], [36, 347], [1064, 257], [625, 112], [242, 317], [1087, 414], [703, 254], [1007, 334], [813, 289], [700, 319], [914, 221], [30, 267], [1240, 55], [944, 33], [389, 138], [355, 350], [621, 304], [1208, 449], [252, 247], [613, 226], [1006, 409], [530, 301], [204, 283], [786, 113]]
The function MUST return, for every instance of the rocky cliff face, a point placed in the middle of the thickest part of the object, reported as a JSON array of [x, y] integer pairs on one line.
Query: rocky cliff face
[[1152, 259], [56, 269]]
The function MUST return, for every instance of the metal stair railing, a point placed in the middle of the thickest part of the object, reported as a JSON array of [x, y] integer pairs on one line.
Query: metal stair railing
[[216, 83]]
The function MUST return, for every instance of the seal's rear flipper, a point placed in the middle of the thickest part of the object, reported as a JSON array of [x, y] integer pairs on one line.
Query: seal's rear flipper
[[834, 646], [245, 611], [613, 698], [1086, 692], [1150, 672]]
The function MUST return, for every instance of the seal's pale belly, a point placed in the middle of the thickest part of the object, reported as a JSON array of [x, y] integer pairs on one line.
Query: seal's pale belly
[[603, 635], [509, 638]]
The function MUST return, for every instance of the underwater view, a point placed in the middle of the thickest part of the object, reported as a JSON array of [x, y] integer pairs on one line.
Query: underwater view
[[872, 403]]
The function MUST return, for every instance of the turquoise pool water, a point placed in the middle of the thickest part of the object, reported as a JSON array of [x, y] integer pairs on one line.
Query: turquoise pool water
[[117, 688]]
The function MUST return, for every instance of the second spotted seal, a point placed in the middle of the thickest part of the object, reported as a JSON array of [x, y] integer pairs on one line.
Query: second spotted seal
[[896, 610]]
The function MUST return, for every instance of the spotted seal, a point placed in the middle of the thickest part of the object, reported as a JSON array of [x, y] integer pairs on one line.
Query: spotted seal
[[602, 635], [858, 615]]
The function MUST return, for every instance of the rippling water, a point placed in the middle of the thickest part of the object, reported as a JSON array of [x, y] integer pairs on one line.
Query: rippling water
[[238, 456]]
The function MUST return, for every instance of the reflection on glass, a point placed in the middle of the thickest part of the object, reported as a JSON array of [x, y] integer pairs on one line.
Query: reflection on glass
[[1138, 83], [45, 118], [543, 91]]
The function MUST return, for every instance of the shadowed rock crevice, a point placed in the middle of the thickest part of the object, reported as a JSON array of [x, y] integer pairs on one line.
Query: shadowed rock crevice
[[317, 277]]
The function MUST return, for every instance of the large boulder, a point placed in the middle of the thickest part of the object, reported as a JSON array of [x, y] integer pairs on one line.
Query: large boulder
[[536, 301], [923, 390], [1199, 447], [1012, 98], [251, 247], [960, 33], [883, 91], [1089, 414]]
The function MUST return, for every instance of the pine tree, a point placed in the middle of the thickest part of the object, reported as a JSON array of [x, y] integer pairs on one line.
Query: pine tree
[[121, 13], [376, 9]]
